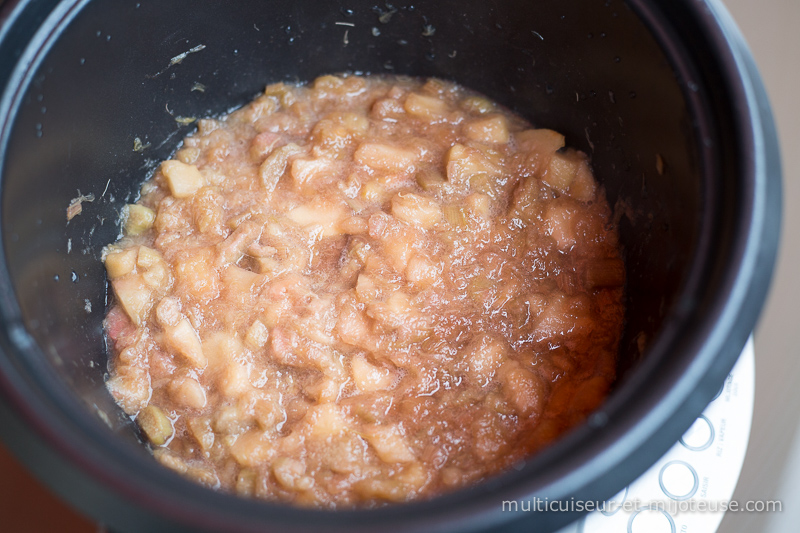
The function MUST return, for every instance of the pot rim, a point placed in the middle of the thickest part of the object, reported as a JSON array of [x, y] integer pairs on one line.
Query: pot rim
[[606, 453]]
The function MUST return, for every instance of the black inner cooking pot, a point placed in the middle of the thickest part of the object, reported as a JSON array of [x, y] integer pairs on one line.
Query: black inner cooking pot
[[661, 94]]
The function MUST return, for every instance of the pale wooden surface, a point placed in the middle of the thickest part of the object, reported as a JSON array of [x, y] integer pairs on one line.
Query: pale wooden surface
[[772, 466]]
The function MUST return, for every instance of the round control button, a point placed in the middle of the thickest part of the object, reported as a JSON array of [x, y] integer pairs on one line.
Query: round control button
[[721, 388], [699, 436], [612, 505], [651, 521], [678, 480]]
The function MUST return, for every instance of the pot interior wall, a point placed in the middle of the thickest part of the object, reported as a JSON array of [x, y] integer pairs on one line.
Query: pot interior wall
[[123, 71]]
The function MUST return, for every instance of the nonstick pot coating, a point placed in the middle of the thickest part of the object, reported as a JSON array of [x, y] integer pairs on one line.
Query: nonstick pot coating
[[661, 95]]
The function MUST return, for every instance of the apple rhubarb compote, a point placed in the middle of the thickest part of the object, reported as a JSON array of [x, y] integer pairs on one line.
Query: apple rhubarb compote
[[362, 290]]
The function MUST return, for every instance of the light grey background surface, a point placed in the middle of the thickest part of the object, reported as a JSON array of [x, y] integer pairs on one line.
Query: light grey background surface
[[772, 465]]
